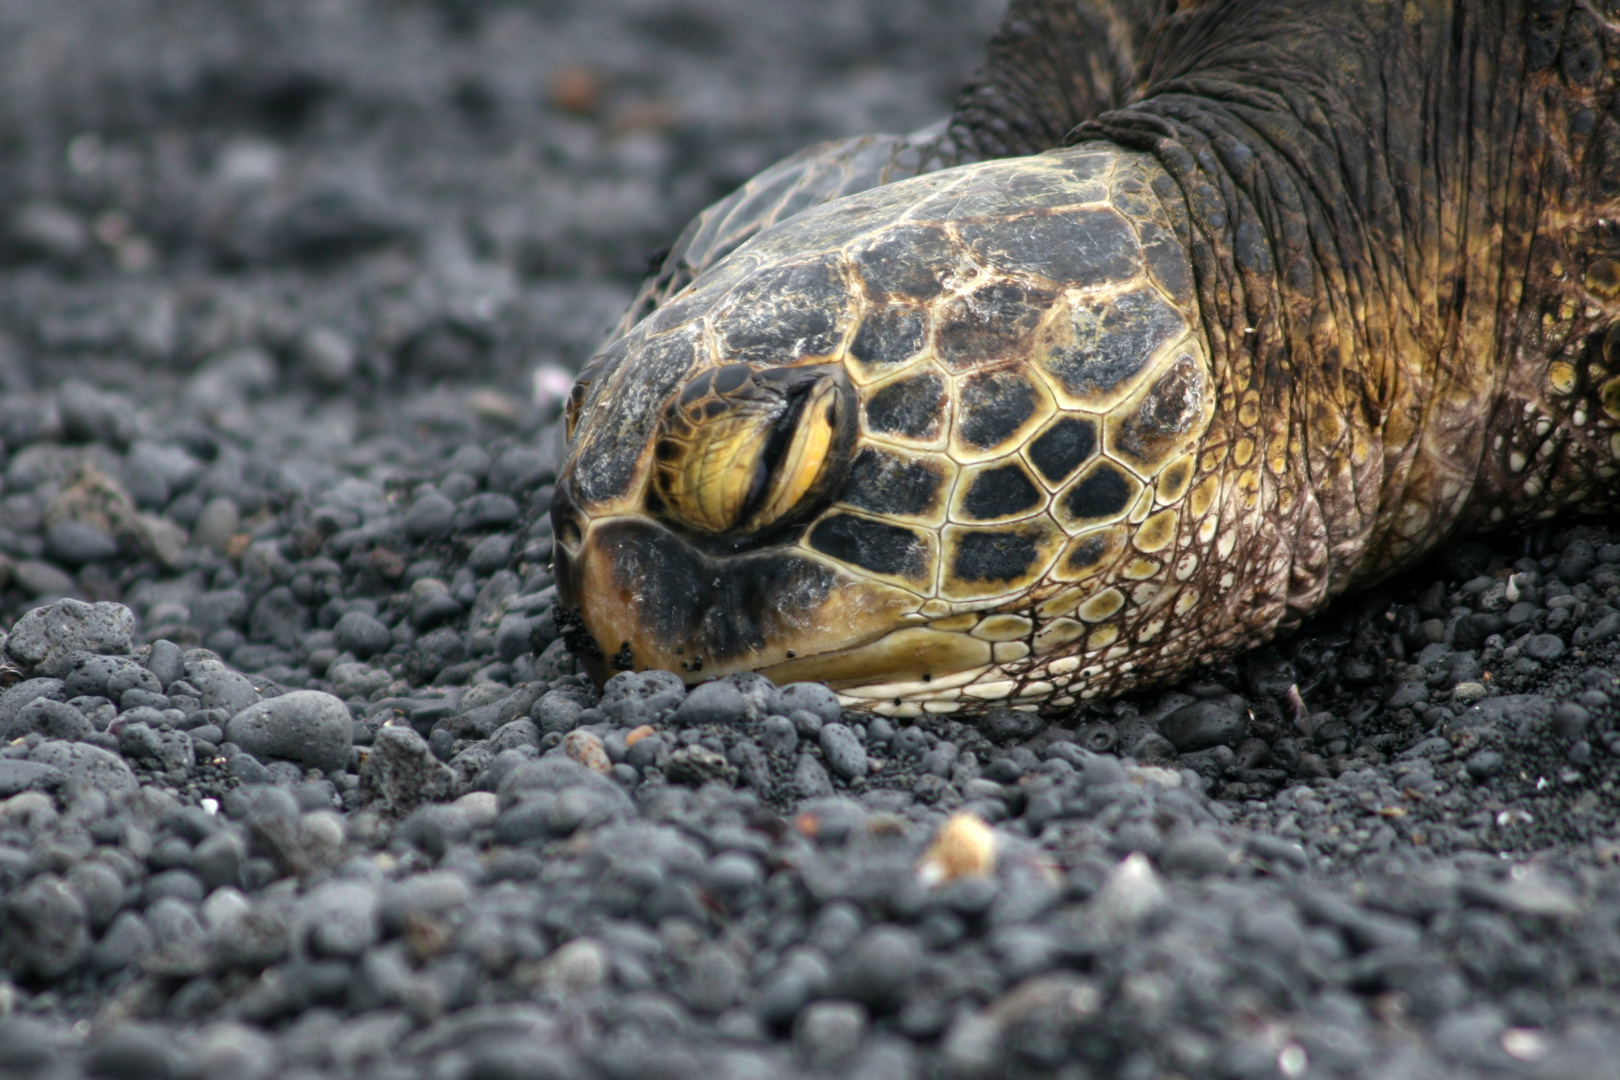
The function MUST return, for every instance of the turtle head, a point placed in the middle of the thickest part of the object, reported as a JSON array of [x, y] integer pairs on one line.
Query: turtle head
[[927, 442]]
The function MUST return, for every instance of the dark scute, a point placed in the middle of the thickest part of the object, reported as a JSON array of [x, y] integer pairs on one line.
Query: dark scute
[[989, 323], [888, 335], [1102, 494], [999, 493], [730, 377], [888, 484], [1087, 553], [609, 451], [1063, 448], [908, 260], [781, 313], [1001, 555], [724, 610], [1166, 414], [1083, 247], [873, 545], [1114, 340], [911, 407], [994, 406], [1167, 262]]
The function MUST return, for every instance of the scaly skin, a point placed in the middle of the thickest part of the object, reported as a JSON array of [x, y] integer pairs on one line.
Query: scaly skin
[[1336, 287]]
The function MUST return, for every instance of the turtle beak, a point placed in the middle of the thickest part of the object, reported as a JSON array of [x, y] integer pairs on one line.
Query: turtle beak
[[633, 595]]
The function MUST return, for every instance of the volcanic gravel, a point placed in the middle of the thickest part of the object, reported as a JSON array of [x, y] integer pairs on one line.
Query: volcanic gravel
[[297, 780]]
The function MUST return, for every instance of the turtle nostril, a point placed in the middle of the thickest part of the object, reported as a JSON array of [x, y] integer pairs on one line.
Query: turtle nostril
[[566, 530]]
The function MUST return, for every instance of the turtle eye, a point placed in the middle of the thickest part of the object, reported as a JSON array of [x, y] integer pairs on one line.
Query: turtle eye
[[739, 451]]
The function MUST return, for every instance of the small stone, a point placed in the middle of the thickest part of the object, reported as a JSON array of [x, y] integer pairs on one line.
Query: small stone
[[578, 968], [219, 687], [588, 750], [87, 765], [711, 703], [1204, 724], [41, 579], [1542, 647], [430, 517], [779, 736], [486, 510], [52, 639], [362, 634], [964, 847], [490, 554], [712, 980], [401, 771], [306, 726], [339, 918], [845, 755], [1466, 693], [880, 969], [1003, 726], [76, 544], [1131, 893], [828, 1033], [697, 765], [127, 942], [133, 1052], [1195, 853], [810, 779], [166, 662], [19, 776], [811, 697], [47, 927], [217, 523], [52, 719]]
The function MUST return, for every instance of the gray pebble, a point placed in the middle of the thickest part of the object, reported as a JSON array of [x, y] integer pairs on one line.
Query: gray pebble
[[305, 726], [219, 859], [487, 510], [52, 719], [219, 687], [166, 662], [47, 928], [87, 765], [845, 755], [218, 521], [1204, 724], [778, 735], [1543, 647], [127, 942], [430, 517], [811, 697], [76, 544], [490, 554], [711, 703], [880, 969], [828, 1033], [641, 697], [52, 639], [402, 772], [362, 634], [99, 889], [42, 579], [132, 1051], [809, 778], [339, 918], [19, 776]]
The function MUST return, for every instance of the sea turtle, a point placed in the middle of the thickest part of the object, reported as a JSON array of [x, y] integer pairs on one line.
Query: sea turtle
[[1196, 315]]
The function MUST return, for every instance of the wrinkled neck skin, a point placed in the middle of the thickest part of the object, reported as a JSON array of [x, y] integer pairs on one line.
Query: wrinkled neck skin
[[1396, 216]]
